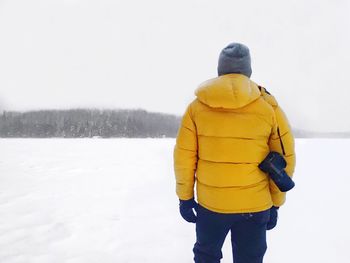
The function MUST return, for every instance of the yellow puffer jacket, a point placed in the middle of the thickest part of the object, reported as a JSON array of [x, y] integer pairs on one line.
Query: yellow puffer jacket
[[225, 133]]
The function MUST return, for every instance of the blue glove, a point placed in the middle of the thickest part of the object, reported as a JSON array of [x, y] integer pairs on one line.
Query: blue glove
[[186, 210], [273, 218]]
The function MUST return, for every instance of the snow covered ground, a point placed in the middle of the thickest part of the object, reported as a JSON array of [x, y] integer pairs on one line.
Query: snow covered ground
[[113, 200]]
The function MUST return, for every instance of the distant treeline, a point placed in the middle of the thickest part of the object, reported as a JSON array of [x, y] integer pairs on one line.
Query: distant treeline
[[310, 134], [80, 123]]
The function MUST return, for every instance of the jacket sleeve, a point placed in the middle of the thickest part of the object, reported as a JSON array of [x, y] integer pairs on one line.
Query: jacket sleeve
[[282, 141], [185, 157]]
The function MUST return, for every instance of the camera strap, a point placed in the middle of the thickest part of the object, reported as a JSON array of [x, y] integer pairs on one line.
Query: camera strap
[[263, 91]]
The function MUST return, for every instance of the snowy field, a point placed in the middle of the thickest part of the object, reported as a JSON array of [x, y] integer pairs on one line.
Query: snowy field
[[113, 200]]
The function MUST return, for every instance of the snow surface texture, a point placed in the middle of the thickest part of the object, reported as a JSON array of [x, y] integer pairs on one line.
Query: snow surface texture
[[113, 200]]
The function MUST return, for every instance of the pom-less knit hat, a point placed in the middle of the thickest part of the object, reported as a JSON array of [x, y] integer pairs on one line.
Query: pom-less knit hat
[[235, 58]]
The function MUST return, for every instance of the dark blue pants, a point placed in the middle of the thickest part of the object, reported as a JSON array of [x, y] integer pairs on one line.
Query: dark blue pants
[[248, 236]]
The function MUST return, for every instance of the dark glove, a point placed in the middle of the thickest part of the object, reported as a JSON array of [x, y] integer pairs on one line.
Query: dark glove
[[273, 218], [186, 210]]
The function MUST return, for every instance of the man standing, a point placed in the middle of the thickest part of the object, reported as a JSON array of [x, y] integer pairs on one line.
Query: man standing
[[225, 133]]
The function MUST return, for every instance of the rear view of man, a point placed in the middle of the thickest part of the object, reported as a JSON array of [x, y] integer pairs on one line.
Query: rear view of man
[[226, 132]]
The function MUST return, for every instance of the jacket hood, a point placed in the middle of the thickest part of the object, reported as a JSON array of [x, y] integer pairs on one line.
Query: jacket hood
[[230, 91]]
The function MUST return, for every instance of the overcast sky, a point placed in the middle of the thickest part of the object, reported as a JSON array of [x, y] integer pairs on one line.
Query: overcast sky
[[153, 54]]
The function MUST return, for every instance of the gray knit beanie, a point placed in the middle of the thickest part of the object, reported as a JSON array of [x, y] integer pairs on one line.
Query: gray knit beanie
[[235, 58]]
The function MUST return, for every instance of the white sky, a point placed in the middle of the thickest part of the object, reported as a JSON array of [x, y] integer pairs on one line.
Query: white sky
[[153, 54]]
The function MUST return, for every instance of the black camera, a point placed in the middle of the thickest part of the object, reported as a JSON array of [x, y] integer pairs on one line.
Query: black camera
[[274, 165]]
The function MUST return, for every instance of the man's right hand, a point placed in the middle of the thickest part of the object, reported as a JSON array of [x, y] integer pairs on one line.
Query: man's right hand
[[186, 210], [273, 218]]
